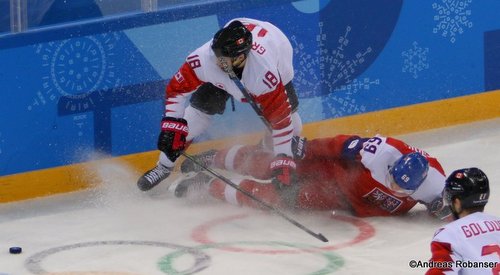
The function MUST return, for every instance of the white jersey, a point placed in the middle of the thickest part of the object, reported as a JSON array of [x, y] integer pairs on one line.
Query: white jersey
[[469, 245], [379, 153], [268, 67], [270, 57]]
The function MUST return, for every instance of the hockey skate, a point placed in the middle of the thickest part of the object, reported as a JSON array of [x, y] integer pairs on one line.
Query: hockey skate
[[153, 177], [206, 158], [198, 183]]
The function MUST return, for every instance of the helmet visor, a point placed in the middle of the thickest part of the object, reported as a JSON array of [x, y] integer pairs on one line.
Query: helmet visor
[[447, 197]]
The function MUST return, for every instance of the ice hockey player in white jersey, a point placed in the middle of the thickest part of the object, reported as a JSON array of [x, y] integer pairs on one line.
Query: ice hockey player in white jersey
[[471, 243], [260, 56]]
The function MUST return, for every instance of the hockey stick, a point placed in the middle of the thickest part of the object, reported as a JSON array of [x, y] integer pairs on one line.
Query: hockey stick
[[318, 236], [245, 92], [228, 69]]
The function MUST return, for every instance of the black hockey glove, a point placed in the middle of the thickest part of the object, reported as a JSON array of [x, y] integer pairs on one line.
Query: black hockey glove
[[439, 210], [283, 171], [172, 139]]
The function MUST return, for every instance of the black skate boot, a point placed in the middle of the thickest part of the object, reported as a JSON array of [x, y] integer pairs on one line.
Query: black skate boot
[[153, 177], [206, 158], [199, 182]]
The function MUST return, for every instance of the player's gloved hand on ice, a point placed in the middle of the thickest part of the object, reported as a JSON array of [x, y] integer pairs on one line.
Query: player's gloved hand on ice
[[283, 171], [438, 209], [352, 146], [172, 139]]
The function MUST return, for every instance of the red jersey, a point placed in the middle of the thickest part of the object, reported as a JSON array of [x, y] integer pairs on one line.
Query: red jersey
[[329, 180], [356, 184]]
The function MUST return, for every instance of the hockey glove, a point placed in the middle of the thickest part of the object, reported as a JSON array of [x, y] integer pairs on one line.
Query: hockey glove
[[283, 171], [439, 210], [351, 147], [299, 147], [172, 139]]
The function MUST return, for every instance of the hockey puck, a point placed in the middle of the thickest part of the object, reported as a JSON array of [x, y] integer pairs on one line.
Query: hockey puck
[[15, 250]]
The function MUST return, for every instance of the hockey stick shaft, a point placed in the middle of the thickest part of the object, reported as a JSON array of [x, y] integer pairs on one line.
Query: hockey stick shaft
[[259, 113], [318, 236], [250, 100], [228, 69]]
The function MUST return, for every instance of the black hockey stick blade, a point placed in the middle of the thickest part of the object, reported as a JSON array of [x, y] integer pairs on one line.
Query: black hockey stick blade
[[318, 236], [321, 237]]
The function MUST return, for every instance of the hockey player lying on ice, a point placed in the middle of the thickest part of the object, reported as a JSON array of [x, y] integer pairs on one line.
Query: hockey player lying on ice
[[378, 176]]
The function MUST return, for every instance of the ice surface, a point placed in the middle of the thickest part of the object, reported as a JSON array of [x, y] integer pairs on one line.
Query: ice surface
[[115, 229]]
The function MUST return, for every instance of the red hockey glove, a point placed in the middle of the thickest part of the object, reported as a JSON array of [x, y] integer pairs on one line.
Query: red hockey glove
[[283, 171], [172, 139]]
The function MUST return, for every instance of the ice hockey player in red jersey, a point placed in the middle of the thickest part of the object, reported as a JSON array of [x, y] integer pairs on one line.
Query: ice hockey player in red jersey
[[377, 176], [259, 56], [471, 243]]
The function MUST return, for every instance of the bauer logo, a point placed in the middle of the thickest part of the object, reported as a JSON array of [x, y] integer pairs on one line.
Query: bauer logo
[[174, 126], [282, 163]]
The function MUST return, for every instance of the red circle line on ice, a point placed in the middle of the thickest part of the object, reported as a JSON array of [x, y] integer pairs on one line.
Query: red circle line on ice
[[366, 231]]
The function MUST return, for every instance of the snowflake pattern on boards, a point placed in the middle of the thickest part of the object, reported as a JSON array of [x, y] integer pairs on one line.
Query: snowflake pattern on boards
[[334, 66], [452, 18], [415, 60], [343, 104], [75, 68]]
